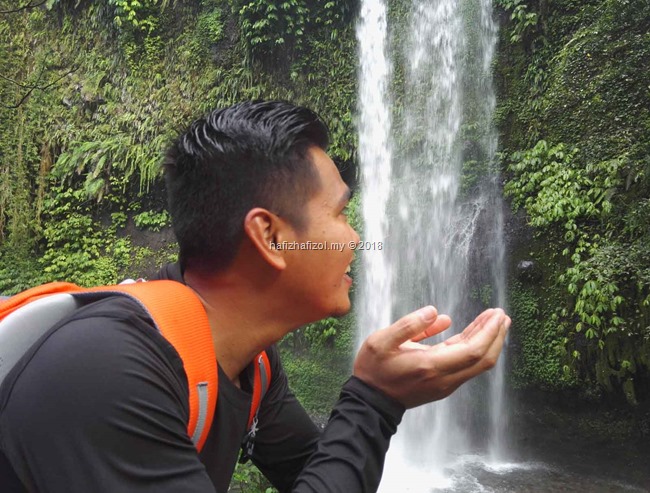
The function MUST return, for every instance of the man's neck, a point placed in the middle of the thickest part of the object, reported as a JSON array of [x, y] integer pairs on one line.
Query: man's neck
[[244, 319]]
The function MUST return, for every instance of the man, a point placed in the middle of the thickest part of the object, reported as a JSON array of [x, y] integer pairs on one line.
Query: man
[[101, 404]]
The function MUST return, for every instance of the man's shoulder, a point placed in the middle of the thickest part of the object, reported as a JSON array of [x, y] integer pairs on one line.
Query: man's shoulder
[[108, 334], [115, 322], [104, 385]]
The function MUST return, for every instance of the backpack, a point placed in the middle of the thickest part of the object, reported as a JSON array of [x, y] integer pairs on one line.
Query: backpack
[[179, 316]]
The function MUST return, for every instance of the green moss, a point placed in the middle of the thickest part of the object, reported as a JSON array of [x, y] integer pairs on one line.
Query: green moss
[[539, 359], [578, 76]]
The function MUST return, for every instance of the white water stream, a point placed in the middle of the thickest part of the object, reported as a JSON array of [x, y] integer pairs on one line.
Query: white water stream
[[430, 193]]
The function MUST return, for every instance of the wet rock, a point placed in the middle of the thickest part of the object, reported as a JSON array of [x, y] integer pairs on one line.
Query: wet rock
[[528, 271]]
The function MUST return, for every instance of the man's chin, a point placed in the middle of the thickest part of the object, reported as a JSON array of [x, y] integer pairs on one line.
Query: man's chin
[[333, 312], [342, 311]]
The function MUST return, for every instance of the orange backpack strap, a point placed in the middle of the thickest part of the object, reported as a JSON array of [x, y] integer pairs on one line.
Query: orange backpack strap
[[179, 315], [261, 382]]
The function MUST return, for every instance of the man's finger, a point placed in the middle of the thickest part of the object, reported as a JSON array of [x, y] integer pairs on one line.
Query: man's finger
[[442, 323], [465, 353], [491, 357], [468, 331], [408, 326], [478, 322]]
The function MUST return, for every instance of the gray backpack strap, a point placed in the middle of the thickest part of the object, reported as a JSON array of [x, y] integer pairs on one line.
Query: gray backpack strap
[[21, 329]]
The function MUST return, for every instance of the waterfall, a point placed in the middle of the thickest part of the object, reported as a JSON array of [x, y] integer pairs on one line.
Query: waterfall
[[430, 193], [375, 126]]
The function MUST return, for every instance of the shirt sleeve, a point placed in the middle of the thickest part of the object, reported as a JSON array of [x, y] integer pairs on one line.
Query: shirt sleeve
[[348, 456], [100, 407]]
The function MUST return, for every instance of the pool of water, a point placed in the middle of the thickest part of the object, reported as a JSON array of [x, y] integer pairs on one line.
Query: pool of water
[[472, 474]]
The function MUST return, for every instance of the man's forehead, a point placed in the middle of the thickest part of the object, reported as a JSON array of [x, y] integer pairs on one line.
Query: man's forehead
[[326, 168], [333, 190]]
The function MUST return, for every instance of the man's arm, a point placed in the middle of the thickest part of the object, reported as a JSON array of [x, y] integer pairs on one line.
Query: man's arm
[[347, 456], [350, 455], [392, 372]]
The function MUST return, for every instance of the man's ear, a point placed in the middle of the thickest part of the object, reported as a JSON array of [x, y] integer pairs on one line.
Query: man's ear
[[266, 231]]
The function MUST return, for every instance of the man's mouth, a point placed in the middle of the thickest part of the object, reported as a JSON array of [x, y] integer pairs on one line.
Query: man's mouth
[[347, 275]]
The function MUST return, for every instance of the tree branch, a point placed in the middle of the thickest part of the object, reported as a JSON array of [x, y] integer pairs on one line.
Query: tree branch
[[29, 5], [34, 87]]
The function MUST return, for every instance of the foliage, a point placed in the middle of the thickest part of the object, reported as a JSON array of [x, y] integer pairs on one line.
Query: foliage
[[555, 188], [588, 204], [316, 376], [75, 247], [267, 23], [135, 14], [96, 159], [152, 220], [248, 479], [272, 29], [17, 272], [537, 334], [607, 285], [522, 18]]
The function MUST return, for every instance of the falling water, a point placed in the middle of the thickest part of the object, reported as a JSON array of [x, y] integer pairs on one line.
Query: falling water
[[431, 195], [375, 115]]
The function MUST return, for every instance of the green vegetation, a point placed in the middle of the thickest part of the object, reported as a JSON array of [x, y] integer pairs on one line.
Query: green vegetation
[[574, 121], [92, 93], [248, 479], [540, 354]]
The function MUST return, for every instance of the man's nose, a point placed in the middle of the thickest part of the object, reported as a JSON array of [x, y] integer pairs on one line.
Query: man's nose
[[355, 235]]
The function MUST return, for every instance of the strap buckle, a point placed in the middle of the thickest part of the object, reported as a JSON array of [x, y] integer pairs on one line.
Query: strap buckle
[[248, 443]]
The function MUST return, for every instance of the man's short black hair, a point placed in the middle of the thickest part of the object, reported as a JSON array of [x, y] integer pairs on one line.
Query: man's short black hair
[[252, 154]]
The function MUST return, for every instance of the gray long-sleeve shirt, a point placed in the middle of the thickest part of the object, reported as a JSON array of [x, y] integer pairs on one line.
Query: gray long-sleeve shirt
[[100, 404]]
